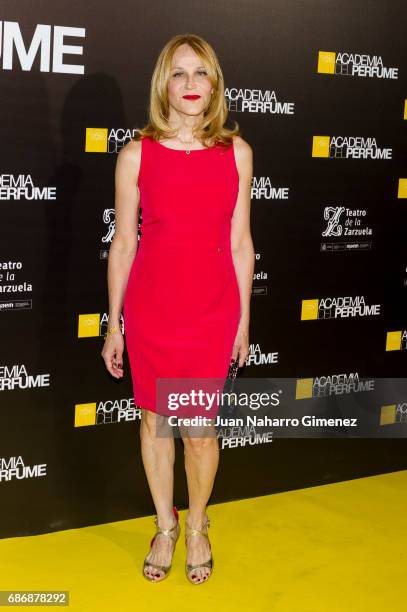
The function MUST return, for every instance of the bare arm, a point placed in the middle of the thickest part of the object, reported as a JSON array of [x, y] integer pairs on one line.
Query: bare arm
[[124, 244], [123, 248], [242, 244]]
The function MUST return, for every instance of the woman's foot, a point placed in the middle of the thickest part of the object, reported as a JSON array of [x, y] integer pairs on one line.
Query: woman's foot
[[158, 561], [198, 549]]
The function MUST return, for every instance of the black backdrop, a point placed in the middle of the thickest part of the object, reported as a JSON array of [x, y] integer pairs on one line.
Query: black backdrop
[[294, 71]]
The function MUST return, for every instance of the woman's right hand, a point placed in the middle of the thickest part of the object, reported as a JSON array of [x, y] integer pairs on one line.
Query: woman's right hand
[[112, 354]]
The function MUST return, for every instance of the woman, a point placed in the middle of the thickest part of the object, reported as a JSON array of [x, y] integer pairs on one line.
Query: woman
[[186, 296]]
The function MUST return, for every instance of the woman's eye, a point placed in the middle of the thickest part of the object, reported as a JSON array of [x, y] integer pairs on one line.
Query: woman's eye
[[202, 72]]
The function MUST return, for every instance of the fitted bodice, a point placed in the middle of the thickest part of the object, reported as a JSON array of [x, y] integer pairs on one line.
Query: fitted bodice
[[187, 197]]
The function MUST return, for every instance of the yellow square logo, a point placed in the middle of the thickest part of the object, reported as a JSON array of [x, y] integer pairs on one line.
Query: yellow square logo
[[405, 109], [388, 414], [96, 140], [393, 341], [309, 309], [89, 325], [326, 62], [320, 146], [402, 191], [304, 388], [85, 414]]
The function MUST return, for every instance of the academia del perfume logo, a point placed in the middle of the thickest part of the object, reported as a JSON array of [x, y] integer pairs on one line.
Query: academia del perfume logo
[[349, 147], [341, 307], [107, 140], [332, 384], [348, 63], [105, 412]]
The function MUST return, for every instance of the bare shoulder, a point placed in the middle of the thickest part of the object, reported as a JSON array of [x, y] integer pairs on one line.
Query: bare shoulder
[[241, 145], [243, 155], [128, 162], [131, 151]]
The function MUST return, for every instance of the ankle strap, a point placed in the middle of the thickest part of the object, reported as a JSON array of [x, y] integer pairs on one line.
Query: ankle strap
[[168, 532], [189, 531]]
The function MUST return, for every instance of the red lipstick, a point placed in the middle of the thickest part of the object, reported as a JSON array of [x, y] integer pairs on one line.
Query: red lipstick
[[191, 97]]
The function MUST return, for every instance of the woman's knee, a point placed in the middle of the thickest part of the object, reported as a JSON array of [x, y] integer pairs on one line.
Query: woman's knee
[[199, 445]]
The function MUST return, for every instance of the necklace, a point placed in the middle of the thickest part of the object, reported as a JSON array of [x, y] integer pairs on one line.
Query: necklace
[[184, 142]]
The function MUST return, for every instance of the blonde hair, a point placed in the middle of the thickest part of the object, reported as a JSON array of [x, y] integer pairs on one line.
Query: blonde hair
[[212, 129]]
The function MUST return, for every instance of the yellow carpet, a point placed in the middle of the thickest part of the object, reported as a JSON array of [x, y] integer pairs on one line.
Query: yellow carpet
[[337, 547]]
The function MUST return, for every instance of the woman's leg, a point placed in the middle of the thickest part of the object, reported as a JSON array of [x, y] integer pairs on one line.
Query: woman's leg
[[201, 464], [158, 455]]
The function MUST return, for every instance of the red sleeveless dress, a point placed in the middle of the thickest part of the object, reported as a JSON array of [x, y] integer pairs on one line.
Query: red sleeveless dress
[[181, 306]]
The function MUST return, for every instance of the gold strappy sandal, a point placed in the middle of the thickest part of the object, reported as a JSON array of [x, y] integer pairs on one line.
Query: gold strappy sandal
[[173, 533], [209, 563]]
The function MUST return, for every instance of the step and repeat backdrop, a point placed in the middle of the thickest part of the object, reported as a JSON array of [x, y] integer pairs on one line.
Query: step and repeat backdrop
[[319, 91]]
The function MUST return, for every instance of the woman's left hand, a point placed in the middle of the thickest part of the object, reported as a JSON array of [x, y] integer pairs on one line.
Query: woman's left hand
[[241, 345]]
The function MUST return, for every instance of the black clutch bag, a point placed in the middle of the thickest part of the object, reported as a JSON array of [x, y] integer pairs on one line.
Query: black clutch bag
[[227, 407], [233, 368]]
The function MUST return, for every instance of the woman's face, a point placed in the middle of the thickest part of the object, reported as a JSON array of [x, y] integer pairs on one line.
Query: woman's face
[[188, 77]]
